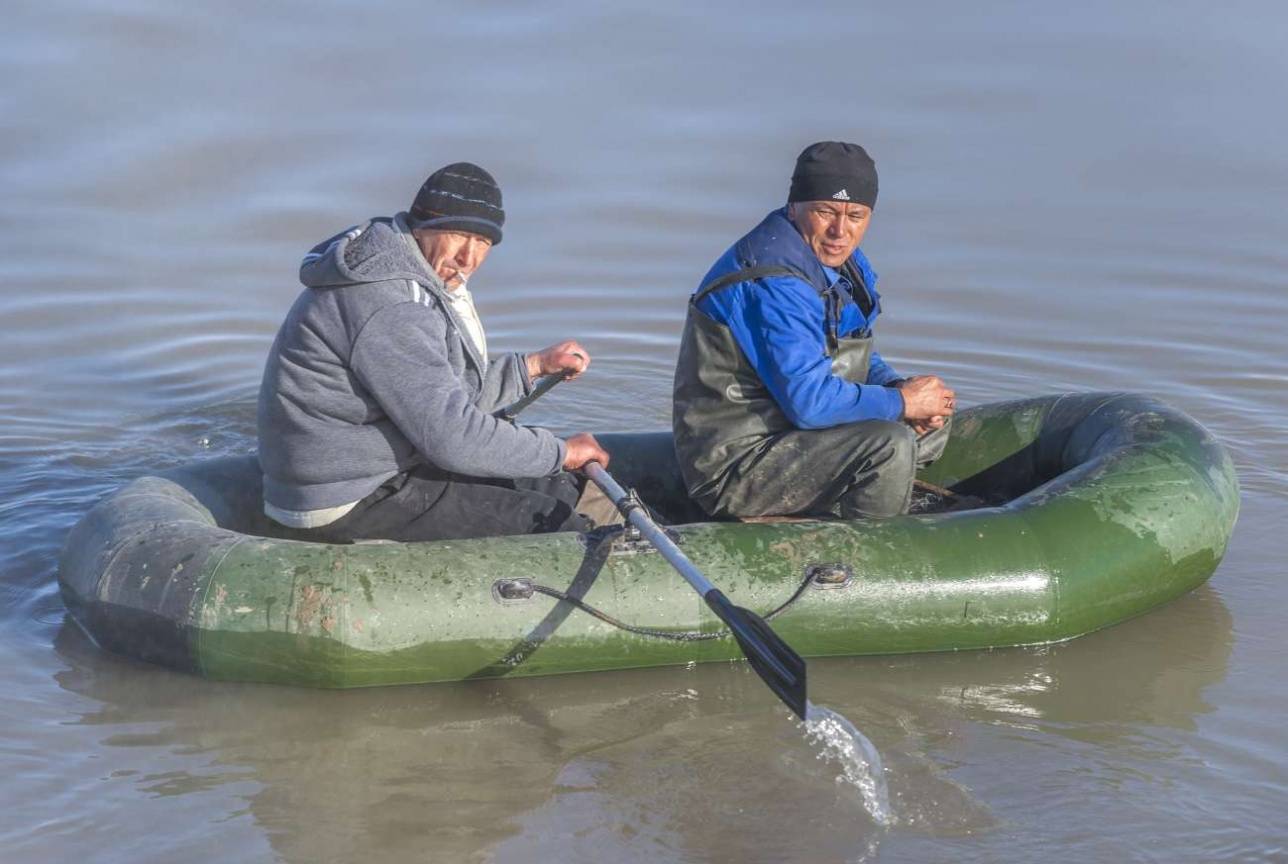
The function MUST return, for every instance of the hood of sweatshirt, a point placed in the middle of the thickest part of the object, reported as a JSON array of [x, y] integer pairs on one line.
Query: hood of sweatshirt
[[378, 250]]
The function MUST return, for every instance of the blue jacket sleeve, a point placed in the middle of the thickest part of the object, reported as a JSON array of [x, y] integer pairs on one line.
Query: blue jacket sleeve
[[880, 372], [778, 323]]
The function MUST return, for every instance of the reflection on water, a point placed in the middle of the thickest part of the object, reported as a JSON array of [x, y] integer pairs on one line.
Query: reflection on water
[[1096, 693], [641, 763]]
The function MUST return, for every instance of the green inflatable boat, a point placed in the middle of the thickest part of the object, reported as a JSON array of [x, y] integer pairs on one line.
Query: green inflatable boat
[[1106, 505]]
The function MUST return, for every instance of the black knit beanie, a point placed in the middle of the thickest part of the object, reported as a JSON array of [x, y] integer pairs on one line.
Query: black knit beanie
[[834, 171], [460, 197]]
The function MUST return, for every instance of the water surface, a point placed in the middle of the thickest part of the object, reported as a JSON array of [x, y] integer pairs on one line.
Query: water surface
[[1089, 198]]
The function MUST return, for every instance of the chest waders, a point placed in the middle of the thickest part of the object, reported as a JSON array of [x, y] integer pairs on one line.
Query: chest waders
[[723, 414]]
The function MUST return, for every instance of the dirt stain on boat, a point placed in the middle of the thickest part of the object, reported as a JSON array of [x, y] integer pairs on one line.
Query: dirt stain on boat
[[308, 605]]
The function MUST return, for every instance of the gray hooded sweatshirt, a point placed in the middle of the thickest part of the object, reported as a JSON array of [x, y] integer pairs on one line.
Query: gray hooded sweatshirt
[[371, 374]]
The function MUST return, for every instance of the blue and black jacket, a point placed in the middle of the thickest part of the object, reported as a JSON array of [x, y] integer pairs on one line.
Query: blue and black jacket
[[773, 342], [783, 324]]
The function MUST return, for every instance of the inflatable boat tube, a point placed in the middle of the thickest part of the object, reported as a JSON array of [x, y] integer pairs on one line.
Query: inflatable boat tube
[[1107, 505]]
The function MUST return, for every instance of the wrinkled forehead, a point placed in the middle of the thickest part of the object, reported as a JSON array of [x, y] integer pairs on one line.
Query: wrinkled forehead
[[840, 208], [448, 234]]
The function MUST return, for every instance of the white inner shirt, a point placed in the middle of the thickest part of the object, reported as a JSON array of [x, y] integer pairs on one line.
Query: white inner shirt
[[463, 305]]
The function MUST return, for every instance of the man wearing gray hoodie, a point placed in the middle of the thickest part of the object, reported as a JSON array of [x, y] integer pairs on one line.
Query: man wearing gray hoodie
[[376, 412]]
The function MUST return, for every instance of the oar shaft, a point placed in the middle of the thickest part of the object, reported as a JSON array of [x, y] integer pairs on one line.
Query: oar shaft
[[542, 387], [773, 659], [639, 517]]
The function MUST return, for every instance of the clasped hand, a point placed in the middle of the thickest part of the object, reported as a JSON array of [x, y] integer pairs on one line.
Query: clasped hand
[[927, 402]]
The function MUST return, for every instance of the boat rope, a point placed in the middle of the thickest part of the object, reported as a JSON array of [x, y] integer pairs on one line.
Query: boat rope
[[673, 635]]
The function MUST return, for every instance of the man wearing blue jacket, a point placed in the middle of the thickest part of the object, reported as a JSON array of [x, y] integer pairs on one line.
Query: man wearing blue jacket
[[781, 404], [377, 407]]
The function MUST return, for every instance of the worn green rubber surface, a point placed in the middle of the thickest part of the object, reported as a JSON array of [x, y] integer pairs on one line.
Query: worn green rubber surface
[[1111, 505]]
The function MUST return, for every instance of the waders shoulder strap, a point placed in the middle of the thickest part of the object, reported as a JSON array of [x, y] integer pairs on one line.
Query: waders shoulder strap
[[745, 275], [832, 309]]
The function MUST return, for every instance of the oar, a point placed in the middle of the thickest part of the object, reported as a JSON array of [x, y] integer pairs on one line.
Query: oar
[[542, 387], [773, 659]]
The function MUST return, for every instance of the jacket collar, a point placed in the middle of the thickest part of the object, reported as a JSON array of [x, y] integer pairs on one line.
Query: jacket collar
[[776, 241]]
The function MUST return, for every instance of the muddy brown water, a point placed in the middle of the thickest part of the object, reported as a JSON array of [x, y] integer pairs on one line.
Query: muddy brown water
[[1089, 197]]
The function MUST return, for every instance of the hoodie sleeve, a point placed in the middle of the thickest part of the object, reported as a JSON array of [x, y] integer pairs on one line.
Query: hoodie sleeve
[[506, 381], [401, 358]]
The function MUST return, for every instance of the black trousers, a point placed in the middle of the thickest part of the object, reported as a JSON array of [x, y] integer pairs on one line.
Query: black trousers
[[430, 504]]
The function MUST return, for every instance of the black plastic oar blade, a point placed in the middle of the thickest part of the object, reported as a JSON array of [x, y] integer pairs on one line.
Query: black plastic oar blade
[[773, 659]]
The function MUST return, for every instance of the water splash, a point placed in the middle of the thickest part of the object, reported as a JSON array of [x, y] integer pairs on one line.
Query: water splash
[[861, 767]]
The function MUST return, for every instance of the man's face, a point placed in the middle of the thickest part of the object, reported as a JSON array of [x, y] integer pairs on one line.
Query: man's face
[[833, 229], [453, 255]]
